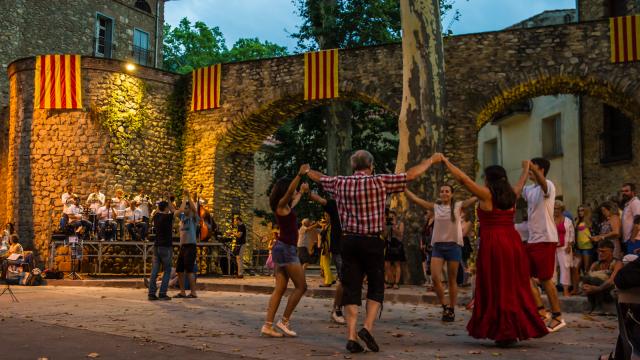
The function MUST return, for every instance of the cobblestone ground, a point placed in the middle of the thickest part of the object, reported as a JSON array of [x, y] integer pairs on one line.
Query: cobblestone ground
[[226, 325]]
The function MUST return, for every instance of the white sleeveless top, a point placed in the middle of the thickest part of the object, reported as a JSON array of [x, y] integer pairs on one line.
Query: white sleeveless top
[[445, 230]]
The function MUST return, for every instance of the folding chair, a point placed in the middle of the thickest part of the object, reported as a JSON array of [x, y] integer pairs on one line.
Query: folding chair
[[3, 280]]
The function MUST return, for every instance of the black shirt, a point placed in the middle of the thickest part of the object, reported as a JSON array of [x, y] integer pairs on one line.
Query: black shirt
[[242, 239], [331, 208], [163, 225]]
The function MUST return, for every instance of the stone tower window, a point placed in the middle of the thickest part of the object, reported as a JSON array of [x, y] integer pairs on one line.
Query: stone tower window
[[617, 8], [143, 5], [104, 36], [552, 136]]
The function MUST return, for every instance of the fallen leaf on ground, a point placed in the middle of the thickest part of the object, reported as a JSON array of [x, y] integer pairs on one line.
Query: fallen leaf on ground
[[475, 352], [93, 355]]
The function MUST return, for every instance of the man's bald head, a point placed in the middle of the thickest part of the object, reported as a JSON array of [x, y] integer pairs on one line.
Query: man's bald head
[[361, 160]]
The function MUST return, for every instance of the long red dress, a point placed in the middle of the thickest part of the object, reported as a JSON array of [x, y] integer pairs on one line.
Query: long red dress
[[504, 308]]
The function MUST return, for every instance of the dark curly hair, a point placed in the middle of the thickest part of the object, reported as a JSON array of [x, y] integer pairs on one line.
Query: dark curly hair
[[503, 196]]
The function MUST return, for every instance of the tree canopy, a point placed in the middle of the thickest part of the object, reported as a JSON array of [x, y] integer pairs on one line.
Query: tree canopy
[[189, 46]]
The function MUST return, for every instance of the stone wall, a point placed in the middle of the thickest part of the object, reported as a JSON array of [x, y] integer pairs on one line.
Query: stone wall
[[48, 149], [35, 27]]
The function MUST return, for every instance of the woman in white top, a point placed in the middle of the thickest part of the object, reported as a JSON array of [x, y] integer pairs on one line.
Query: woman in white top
[[447, 243], [566, 238]]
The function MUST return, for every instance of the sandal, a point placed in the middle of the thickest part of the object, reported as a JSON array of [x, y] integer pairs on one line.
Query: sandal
[[560, 323], [191, 296], [180, 296], [396, 286]]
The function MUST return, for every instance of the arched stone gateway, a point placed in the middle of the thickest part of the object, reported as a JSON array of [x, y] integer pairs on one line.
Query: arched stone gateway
[[485, 74]]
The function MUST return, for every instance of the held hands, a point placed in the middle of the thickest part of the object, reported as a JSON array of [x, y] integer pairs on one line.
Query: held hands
[[304, 169], [526, 164], [436, 158]]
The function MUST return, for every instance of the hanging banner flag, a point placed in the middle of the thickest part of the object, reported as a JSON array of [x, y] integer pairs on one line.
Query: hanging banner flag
[[625, 38], [205, 88], [321, 75], [58, 82]]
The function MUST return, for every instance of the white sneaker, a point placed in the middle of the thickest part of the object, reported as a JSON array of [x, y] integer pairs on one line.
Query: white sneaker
[[285, 329], [270, 331], [338, 318]]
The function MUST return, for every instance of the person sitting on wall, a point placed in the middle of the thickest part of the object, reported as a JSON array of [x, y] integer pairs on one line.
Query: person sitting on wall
[[14, 246], [598, 282]]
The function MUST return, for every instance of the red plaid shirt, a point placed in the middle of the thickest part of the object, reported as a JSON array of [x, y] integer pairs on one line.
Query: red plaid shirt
[[361, 199]]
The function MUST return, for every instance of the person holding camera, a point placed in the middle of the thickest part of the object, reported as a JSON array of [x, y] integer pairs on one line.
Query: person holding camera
[[187, 256]]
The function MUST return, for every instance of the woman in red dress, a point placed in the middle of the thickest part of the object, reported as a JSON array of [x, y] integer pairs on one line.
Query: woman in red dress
[[504, 308]]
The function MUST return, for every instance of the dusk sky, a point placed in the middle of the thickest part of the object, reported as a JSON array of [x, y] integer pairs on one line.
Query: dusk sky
[[273, 20]]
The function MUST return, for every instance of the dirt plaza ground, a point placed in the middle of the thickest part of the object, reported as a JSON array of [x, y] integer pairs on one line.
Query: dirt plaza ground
[[57, 322]]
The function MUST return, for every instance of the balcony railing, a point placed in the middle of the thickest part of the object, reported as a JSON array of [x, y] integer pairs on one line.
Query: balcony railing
[[142, 56]]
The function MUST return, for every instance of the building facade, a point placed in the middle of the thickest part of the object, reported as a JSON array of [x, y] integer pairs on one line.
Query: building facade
[[121, 29]]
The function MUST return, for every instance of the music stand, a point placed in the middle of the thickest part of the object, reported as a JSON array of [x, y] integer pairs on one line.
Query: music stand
[[73, 243], [7, 289]]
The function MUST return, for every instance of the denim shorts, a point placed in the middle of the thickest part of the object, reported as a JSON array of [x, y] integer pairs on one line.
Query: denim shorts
[[588, 252], [283, 254], [449, 251]]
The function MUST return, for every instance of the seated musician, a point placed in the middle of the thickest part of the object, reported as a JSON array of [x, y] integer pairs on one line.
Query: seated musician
[[136, 226], [67, 200], [14, 246], [74, 213], [107, 220], [120, 205], [96, 199], [143, 201], [6, 234]]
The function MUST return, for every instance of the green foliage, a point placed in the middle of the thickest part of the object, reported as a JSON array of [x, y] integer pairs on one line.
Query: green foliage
[[303, 140], [188, 47], [352, 23], [249, 49], [124, 115]]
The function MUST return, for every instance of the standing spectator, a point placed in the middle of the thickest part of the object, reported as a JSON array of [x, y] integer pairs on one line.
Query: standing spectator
[[241, 244], [335, 240], [361, 203], [543, 238], [504, 309], [283, 199], [425, 245], [394, 252], [631, 209], [566, 238], [447, 241], [627, 282], [633, 245], [306, 235], [324, 243], [162, 250], [598, 282], [187, 256], [610, 227], [583, 236]]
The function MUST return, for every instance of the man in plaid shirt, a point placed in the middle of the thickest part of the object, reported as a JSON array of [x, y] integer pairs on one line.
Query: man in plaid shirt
[[361, 200]]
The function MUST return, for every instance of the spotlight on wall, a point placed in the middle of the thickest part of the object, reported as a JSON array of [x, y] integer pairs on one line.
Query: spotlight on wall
[[130, 67]]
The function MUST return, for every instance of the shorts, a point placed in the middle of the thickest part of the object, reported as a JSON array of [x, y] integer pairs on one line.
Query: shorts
[[337, 260], [186, 258], [449, 251], [239, 250], [542, 259], [284, 254], [303, 255], [587, 252], [632, 246], [362, 255]]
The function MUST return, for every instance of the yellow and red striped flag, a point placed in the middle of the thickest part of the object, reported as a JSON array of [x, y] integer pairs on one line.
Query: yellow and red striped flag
[[625, 38], [205, 88], [321, 75], [58, 82]]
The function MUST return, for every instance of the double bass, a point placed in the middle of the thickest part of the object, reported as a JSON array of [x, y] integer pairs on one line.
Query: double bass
[[207, 227]]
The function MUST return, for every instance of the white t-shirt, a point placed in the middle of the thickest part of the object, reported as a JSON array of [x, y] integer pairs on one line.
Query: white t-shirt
[[631, 209], [105, 213], [542, 228], [133, 215], [65, 197], [305, 237], [445, 230], [143, 205], [74, 212]]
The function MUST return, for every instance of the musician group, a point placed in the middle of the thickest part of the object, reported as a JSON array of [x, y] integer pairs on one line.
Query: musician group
[[103, 218]]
